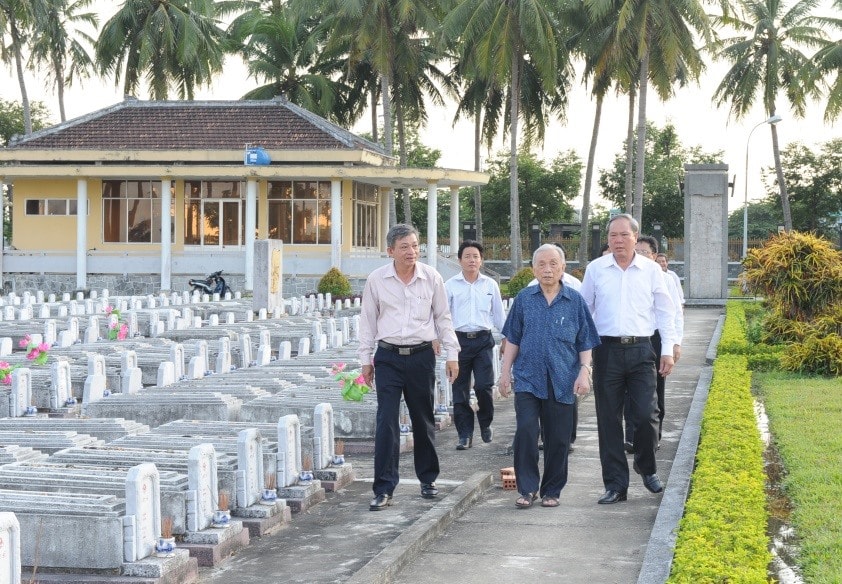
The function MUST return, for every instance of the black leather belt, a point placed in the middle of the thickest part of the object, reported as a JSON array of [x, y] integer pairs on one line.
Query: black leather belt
[[472, 334], [624, 340], [405, 349]]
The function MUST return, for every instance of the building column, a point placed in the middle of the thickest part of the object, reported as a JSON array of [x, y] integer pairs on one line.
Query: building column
[[166, 235], [251, 226], [383, 198], [81, 233], [336, 224], [454, 220], [432, 224]]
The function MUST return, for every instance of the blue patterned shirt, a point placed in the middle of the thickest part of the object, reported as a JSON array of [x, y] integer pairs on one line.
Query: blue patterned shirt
[[550, 338]]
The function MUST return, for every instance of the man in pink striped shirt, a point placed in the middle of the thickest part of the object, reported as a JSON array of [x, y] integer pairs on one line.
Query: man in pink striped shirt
[[404, 310]]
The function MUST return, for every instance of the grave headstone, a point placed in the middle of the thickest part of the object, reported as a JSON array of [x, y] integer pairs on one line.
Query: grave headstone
[[323, 436], [60, 388], [166, 374], [20, 398], [202, 479], [9, 548], [143, 512], [289, 450], [250, 467]]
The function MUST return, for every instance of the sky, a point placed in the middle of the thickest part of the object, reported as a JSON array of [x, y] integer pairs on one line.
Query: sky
[[697, 120]]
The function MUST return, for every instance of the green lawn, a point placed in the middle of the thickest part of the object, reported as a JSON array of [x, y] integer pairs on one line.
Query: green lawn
[[805, 417]]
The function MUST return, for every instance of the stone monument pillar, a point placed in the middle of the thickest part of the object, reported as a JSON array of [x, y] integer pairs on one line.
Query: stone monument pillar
[[706, 232], [268, 274]]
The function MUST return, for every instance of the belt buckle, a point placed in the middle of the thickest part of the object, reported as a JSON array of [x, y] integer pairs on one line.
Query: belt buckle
[[404, 351], [626, 340], [472, 335]]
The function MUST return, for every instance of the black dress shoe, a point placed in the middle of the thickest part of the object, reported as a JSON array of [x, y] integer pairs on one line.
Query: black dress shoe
[[650, 481], [464, 443], [429, 490], [380, 502], [487, 434], [629, 447], [612, 497]]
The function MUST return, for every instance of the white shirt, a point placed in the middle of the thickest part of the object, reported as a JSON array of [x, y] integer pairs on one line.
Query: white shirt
[[677, 281], [475, 306], [678, 301], [566, 279], [622, 301]]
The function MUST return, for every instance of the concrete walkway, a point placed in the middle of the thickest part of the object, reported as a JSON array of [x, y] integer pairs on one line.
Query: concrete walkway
[[474, 534]]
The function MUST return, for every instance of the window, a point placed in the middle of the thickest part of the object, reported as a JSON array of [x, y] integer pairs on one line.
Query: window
[[299, 211], [131, 211], [50, 206], [214, 213], [365, 215]]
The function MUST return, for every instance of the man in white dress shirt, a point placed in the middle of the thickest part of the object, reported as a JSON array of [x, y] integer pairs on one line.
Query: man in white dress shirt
[[475, 306], [629, 300]]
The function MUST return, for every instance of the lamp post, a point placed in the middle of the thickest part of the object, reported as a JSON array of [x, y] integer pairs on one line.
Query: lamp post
[[773, 119]]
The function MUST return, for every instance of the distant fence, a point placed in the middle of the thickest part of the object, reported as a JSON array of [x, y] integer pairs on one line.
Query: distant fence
[[500, 248]]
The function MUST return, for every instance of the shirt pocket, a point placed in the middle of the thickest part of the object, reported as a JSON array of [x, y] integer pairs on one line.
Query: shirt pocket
[[422, 308], [562, 330]]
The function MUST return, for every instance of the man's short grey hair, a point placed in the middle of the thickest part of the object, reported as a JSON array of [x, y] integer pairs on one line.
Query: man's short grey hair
[[551, 247], [635, 226], [400, 231]]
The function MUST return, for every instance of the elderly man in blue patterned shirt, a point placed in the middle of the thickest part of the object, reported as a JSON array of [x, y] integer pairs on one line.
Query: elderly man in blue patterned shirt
[[550, 334]]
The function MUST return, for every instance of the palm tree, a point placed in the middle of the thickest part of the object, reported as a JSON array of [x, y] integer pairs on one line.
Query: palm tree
[[662, 33], [415, 82], [283, 49], [376, 32], [502, 37], [829, 64], [767, 59], [484, 103], [16, 20], [607, 63], [167, 42], [61, 46]]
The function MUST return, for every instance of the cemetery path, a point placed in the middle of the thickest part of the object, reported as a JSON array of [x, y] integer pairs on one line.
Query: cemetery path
[[474, 533]]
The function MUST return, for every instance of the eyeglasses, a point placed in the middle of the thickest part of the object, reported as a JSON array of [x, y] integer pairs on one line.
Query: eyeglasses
[[645, 252]]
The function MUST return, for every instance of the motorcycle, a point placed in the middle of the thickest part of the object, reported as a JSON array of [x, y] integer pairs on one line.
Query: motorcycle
[[213, 284]]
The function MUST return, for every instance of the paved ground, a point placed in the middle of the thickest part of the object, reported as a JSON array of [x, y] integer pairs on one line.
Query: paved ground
[[473, 533]]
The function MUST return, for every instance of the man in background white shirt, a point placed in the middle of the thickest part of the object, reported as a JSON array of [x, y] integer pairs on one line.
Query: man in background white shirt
[[475, 306]]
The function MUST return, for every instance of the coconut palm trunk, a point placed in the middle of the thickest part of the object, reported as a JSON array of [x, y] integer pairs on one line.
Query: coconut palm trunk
[[640, 150], [779, 171], [628, 188], [386, 98], [586, 193], [514, 97], [477, 167]]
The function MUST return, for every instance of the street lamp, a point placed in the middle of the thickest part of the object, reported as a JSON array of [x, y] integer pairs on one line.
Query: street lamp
[[773, 119]]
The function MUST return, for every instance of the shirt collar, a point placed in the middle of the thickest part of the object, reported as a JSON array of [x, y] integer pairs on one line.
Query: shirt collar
[[391, 273]]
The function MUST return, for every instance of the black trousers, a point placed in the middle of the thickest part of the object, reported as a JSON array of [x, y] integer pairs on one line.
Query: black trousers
[[659, 389], [475, 356], [620, 369], [555, 420], [413, 377]]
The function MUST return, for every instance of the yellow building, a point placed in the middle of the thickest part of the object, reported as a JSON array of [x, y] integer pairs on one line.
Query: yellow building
[[91, 197]]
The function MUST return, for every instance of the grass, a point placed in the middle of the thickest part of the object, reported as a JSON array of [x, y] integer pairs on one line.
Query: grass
[[804, 418]]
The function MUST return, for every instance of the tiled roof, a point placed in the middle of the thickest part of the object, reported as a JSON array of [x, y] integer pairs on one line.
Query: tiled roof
[[197, 125]]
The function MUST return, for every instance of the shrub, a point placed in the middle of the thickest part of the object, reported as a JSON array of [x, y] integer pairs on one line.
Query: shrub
[[799, 273], [520, 280], [820, 355], [335, 283], [722, 536], [733, 338], [777, 328]]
